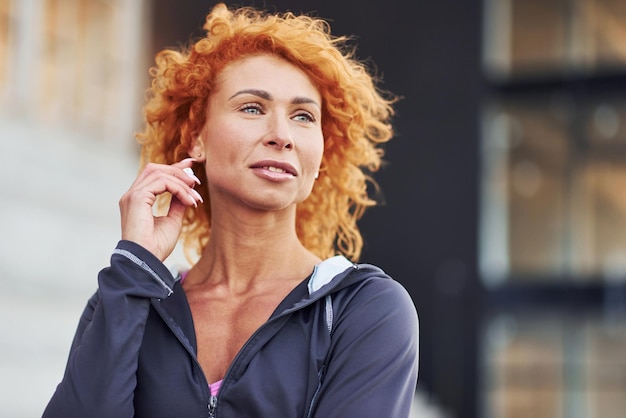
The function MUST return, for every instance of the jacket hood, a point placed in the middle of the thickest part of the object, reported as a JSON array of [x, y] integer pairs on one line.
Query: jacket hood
[[324, 272]]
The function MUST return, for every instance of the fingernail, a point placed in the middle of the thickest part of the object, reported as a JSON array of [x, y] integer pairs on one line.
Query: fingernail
[[195, 204], [198, 196], [190, 173]]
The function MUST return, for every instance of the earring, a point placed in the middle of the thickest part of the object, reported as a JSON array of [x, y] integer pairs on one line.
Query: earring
[[317, 174]]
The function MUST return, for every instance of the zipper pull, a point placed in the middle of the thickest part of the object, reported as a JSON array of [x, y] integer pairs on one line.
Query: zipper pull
[[212, 405]]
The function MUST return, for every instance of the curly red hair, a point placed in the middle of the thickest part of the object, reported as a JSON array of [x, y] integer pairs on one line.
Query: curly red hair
[[355, 117]]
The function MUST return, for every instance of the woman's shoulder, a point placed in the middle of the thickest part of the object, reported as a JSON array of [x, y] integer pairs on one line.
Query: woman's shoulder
[[375, 278], [370, 285]]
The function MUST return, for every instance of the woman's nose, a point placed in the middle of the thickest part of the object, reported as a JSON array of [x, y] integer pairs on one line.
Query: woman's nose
[[279, 134]]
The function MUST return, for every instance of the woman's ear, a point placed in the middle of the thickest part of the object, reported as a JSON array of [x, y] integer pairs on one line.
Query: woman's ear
[[196, 150]]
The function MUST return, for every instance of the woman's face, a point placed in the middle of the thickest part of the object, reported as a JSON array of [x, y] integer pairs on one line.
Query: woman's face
[[263, 139]]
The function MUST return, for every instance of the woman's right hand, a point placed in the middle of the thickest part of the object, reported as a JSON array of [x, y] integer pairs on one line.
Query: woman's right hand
[[158, 234]]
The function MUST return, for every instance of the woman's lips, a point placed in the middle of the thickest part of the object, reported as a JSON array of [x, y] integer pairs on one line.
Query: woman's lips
[[276, 168]]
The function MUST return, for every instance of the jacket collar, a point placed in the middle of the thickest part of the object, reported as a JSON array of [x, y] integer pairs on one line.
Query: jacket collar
[[325, 271]]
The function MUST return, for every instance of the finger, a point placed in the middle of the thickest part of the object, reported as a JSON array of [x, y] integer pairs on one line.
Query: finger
[[190, 173], [157, 179], [176, 210], [186, 167], [147, 191]]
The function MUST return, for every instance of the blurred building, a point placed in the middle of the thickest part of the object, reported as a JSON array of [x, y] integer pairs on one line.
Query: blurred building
[[552, 238], [504, 192], [72, 75]]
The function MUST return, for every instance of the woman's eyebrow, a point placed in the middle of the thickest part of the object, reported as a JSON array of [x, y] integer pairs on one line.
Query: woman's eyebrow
[[267, 96], [304, 100], [255, 92]]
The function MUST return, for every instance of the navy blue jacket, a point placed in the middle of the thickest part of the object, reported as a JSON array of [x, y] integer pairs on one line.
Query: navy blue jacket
[[344, 343]]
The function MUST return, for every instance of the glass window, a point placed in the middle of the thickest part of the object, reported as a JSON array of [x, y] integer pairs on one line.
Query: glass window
[[605, 31], [604, 366], [546, 37], [553, 189], [545, 366]]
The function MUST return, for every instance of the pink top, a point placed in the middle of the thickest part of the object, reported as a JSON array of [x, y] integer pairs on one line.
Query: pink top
[[213, 387]]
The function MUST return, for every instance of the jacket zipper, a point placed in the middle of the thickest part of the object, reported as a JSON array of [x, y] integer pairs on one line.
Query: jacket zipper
[[175, 330], [212, 406], [213, 399], [320, 377]]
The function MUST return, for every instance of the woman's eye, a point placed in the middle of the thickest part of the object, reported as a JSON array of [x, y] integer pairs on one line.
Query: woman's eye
[[304, 117], [252, 108]]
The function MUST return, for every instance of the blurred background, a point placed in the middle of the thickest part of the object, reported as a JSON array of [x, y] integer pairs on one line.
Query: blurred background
[[504, 192]]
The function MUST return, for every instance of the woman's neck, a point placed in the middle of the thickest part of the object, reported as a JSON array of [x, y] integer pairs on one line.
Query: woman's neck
[[242, 254]]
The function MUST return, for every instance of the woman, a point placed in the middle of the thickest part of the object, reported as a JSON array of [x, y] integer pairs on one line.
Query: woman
[[255, 144]]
